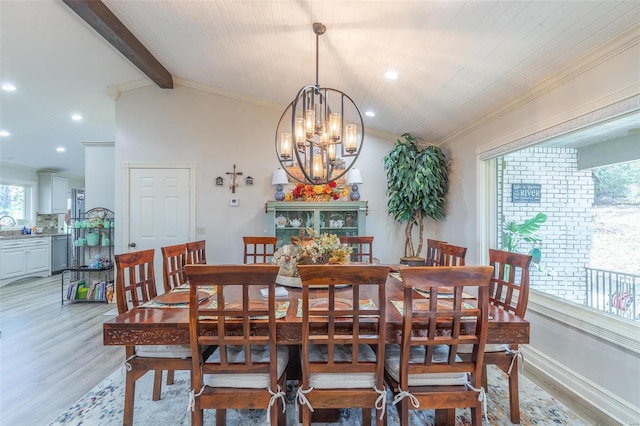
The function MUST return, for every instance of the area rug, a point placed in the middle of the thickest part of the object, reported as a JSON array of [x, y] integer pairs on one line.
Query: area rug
[[103, 406]]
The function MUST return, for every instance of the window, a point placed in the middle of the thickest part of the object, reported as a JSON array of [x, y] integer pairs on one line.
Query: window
[[15, 201], [554, 201]]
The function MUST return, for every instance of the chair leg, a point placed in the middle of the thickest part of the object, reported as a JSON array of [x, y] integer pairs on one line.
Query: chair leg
[[306, 415], [403, 412], [221, 417], [157, 384], [514, 398], [484, 377], [366, 416], [129, 394], [445, 416], [197, 415], [476, 415], [170, 377]]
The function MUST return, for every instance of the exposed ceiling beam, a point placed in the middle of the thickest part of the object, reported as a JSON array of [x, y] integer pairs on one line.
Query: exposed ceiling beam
[[101, 19]]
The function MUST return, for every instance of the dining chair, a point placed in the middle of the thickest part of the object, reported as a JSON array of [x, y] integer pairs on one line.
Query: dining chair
[[343, 367], [174, 258], [135, 285], [451, 255], [237, 321], [362, 247], [508, 290], [197, 252], [259, 249], [434, 257], [424, 370]]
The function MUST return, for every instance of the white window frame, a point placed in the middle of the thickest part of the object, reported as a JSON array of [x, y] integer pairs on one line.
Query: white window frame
[[30, 204], [617, 331]]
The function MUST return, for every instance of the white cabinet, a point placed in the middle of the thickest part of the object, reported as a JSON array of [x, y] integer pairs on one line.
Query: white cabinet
[[24, 257], [52, 193]]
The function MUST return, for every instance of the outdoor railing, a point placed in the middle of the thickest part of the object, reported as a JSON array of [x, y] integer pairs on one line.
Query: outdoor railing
[[613, 292]]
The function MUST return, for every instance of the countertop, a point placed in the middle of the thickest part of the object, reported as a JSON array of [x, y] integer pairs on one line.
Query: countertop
[[20, 236]]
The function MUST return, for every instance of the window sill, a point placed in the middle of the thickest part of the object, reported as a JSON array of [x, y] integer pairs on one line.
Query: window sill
[[620, 332]]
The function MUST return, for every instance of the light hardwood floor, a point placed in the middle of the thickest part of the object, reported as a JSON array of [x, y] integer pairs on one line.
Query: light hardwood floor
[[50, 355]]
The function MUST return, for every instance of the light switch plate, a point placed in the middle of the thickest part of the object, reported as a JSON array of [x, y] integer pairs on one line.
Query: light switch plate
[[233, 202]]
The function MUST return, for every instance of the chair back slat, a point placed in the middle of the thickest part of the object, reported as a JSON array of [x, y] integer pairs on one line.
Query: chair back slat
[[509, 288], [444, 322], [322, 311], [451, 255], [362, 247], [135, 279], [174, 258], [197, 252], [229, 318], [259, 249], [434, 257]]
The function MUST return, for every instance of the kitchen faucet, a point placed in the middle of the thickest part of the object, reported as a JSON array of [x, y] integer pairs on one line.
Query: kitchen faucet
[[11, 221]]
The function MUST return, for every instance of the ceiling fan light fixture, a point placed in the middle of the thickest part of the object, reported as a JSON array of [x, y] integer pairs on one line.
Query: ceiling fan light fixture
[[327, 129]]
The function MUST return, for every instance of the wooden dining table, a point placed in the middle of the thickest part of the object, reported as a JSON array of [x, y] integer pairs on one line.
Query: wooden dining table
[[170, 325]]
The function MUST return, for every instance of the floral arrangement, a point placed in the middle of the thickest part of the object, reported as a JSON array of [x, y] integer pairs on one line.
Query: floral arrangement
[[325, 248], [317, 192]]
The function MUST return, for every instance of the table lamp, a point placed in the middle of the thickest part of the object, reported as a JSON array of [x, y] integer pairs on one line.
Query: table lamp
[[279, 178], [354, 177]]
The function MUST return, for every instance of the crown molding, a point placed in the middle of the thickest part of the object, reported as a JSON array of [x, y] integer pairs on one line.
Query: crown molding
[[628, 39], [91, 144]]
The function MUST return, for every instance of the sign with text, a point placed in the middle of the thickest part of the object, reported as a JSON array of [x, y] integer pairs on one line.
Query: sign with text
[[526, 192]]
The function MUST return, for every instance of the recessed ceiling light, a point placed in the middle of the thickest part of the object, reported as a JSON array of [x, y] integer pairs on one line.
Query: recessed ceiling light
[[4, 133], [76, 117], [391, 75], [61, 149], [8, 87], [370, 114]]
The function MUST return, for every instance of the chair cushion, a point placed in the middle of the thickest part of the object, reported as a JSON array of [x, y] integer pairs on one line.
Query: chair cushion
[[318, 353], [489, 347], [235, 354], [163, 351], [392, 365]]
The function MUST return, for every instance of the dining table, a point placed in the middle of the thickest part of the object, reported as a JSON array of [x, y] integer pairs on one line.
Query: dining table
[[155, 324]]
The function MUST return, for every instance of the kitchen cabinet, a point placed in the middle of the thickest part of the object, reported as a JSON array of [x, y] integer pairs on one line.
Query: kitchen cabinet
[[53, 191], [24, 257], [289, 218]]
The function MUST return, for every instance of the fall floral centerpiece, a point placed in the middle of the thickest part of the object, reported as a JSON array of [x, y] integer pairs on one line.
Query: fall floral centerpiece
[[318, 249], [324, 192]]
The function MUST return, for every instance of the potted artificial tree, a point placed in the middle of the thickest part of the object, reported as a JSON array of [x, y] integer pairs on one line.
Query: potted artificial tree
[[417, 182]]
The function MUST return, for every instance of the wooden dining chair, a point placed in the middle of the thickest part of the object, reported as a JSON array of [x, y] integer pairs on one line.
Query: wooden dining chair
[[451, 255], [434, 257], [135, 285], [424, 371], [508, 290], [238, 322], [174, 258], [362, 247], [343, 367], [197, 252], [259, 249]]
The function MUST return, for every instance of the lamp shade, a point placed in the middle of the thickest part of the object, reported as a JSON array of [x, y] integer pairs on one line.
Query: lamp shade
[[354, 176], [279, 177]]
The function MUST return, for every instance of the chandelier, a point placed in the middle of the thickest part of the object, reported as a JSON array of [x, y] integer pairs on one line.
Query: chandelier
[[321, 132]]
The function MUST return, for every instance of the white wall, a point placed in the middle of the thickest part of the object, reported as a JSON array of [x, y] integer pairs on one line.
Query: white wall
[[186, 125], [612, 80], [99, 175]]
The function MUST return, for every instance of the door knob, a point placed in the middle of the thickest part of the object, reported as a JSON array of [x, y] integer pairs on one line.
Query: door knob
[[132, 244]]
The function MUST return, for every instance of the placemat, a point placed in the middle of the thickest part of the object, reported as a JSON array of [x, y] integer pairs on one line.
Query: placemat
[[364, 304], [281, 310]]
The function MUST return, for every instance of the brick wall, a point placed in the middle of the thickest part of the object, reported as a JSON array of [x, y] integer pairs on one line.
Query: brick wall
[[566, 199]]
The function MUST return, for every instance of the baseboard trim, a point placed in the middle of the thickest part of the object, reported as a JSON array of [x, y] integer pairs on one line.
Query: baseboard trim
[[585, 398]]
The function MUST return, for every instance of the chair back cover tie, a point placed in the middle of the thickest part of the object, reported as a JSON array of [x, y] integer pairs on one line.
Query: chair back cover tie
[[125, 364], [192, 398], [274, 398], [404, 394], [482, 397], [302, 399], [516, 354], [381, 401]]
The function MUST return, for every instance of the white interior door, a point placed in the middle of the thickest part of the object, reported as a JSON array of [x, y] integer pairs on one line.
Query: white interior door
[[159, 210]]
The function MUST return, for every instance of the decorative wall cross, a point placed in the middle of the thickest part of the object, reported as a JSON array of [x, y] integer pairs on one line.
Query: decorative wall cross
[[233, 175]]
